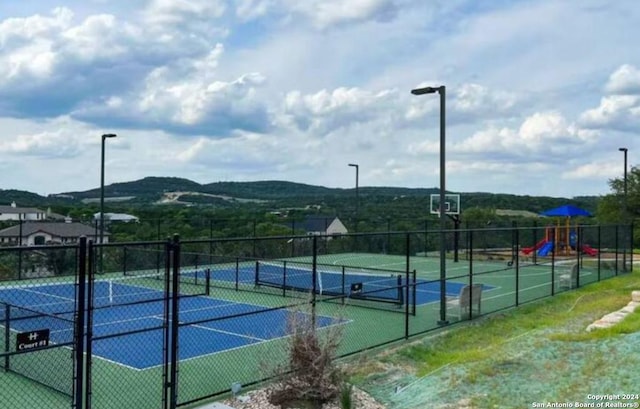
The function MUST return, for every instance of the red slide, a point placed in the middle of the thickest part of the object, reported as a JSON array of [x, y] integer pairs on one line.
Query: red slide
[[529, 250], [587, 249]]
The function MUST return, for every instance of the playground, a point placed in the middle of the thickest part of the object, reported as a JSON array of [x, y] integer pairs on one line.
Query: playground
[[562, 238]]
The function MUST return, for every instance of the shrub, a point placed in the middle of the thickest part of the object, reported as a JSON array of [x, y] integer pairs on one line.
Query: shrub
[[310, 376]]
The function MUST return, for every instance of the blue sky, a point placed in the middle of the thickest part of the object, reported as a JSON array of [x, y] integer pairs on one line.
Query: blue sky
[[540, 93]]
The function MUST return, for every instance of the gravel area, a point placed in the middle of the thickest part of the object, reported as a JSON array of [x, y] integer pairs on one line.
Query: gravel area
[[259, 399]]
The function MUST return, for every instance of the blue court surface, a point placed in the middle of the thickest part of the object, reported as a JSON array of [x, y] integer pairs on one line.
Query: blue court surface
[[143, 349], [51, 306]]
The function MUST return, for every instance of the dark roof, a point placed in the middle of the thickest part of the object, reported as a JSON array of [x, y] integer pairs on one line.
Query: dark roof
[[17, 210], [313, 223], [55, 229]]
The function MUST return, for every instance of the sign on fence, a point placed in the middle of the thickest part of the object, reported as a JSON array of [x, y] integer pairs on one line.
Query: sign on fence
[[32, 339]]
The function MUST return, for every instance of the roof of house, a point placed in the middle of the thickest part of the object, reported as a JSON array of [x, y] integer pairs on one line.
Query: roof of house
[[19, 210], [53, 228], [313, 223], [520, 213], [116, 216]]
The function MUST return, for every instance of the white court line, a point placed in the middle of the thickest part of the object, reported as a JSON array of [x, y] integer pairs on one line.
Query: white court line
[[248, 345], [31, 290], [236, 334]]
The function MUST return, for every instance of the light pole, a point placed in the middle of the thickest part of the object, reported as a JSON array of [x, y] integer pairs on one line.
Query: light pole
[[357, 192], [624, 209], [443, 265], [104, 137]]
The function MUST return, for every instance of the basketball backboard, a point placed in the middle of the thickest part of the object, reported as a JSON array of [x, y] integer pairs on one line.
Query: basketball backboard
[[451, 204]]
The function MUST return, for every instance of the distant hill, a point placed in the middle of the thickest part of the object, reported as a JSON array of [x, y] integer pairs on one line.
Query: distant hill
[[149, 189], [27, 199], [268, 189], [180, 191]]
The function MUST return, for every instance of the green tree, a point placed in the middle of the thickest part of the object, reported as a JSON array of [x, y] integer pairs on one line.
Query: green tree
[[611, 208]]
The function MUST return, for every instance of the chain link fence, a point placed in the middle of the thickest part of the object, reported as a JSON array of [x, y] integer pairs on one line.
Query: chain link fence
[[169, 323]]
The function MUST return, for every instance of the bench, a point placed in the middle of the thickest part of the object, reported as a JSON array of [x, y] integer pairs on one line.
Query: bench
[[467, 303]]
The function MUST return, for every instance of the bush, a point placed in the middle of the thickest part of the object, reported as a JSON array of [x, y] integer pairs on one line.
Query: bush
[[309, 377]]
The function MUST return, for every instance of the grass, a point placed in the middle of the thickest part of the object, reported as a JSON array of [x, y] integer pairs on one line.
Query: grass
[[561, 319]]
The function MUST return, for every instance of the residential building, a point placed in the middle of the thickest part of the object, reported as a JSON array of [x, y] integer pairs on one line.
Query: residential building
[[320, 225], [41, 233], [117, 217], [14, 212]]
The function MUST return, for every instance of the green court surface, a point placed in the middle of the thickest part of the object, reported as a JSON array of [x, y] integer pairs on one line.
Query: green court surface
[[363, 325]]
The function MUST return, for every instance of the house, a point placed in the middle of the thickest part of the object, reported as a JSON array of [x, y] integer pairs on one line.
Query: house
[[320, 225], [41, 233], [14, 212], [117, 217]]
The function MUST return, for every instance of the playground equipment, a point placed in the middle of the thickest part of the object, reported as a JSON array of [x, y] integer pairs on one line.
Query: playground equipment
[[562, 239], [546, 245]]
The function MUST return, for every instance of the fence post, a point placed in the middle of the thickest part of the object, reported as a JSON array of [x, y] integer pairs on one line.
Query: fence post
[[20, 253], [388, 236], [631, 247], [168, 252], [599, 250], [314, 280], [406, 282], [534, 253], [80, 329], [553, 268], [91, 269], [514, 259], [617, 245], [7, 336], [175, 322], [579, 243]]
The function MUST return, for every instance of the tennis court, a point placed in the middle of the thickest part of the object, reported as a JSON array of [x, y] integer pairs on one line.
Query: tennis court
[[369, 284], [123, 309], [234, 311]]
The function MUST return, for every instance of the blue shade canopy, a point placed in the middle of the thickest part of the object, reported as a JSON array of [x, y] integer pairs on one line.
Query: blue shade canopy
[[566, 211]]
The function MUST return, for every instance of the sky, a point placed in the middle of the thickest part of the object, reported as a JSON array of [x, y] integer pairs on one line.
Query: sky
[[540, 94]]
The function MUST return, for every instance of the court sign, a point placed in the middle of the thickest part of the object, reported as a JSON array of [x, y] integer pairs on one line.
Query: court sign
[[32, 340]]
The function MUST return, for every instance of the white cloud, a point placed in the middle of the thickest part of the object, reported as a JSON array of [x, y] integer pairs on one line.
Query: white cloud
[[326, 111], [326, 13], [99, 37], [624, 81], [42, 144], [477, 99], [14, 32], [181, 11], [249, 149], [589, 171], [543, 133], [57, 138], [323, 14], [621, 112], [248, 10], [284, 89], [186, 94]]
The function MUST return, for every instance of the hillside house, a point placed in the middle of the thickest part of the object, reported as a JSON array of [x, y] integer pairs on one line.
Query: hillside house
[[41, 233], [320, 225], [117, 217], [14, 212]]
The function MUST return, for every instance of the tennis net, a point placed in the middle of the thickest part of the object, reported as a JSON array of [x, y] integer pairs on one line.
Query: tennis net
[[134, 289], [357, 283]]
